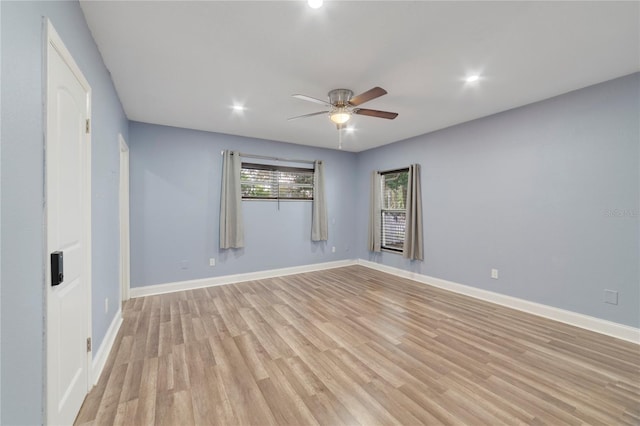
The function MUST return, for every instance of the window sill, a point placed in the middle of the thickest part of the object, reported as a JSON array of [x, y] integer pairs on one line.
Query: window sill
[[386, 250], [287, 200]]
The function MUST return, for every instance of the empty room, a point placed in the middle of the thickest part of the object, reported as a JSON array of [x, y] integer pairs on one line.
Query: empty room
[[315, 212]]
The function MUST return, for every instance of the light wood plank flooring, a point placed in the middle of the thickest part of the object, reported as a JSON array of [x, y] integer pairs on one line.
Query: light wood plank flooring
[[356, 346]]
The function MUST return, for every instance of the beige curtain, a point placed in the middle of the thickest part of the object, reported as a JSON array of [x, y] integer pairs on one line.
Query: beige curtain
[[374, 213], [413, 245], [231, 225], [319, 226]]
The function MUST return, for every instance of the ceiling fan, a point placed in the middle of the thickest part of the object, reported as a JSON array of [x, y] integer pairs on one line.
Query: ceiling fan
[[342, 104]]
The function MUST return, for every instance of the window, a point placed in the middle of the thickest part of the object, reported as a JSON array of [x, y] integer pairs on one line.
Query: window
[[271, 182], [394, 213]]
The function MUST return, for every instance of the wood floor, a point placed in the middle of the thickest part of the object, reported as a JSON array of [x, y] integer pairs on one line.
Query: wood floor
[[356, 346]]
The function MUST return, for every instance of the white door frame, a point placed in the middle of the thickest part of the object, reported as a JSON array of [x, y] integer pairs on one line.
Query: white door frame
[[53, 41], [125, 260]]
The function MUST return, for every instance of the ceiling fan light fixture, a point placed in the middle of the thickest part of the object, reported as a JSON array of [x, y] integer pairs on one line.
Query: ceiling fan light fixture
[[342, 104], [314, 4], [340, 116]]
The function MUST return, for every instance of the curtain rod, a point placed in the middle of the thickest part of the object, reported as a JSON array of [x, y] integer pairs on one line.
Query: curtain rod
[[264, 157]]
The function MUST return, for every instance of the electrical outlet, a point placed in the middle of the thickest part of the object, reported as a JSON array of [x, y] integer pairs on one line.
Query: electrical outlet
[[333, 249], [611, 296], [212, 261], [494, 274], [184, 264], [106, 305]]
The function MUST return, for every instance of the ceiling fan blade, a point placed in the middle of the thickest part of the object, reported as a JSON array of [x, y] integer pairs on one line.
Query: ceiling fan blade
[[310, 99], [375, 113], [376, 92], [307, 115]]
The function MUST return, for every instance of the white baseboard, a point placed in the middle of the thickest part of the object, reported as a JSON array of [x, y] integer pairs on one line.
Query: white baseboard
[[101, 355], [620, 331], [237, 278], [587, 322]]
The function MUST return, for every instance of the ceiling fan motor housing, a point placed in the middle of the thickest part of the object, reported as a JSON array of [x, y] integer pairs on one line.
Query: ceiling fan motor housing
[[340, 97]]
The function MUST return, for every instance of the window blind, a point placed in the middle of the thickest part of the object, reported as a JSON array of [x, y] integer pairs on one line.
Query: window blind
[[272, 182]]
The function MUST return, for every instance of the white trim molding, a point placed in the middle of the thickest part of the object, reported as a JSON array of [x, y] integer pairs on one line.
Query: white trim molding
[[231, 279], [101, 355], [610, 328], [124, 222]]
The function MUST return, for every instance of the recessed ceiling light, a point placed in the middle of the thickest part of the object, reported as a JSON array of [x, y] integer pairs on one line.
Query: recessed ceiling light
[[238, 108], [473, 78], [350, 129], [314, 4]]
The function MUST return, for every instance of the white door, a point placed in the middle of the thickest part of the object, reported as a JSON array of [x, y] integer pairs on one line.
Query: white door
[[124, 220], [68, 209]]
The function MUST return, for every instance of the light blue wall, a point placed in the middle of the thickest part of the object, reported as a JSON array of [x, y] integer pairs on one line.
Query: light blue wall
[[175, 202], [532, 192], [22, 216]]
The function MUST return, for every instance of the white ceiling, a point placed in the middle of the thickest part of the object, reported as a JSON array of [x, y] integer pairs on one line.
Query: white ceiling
[[185, 64]]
